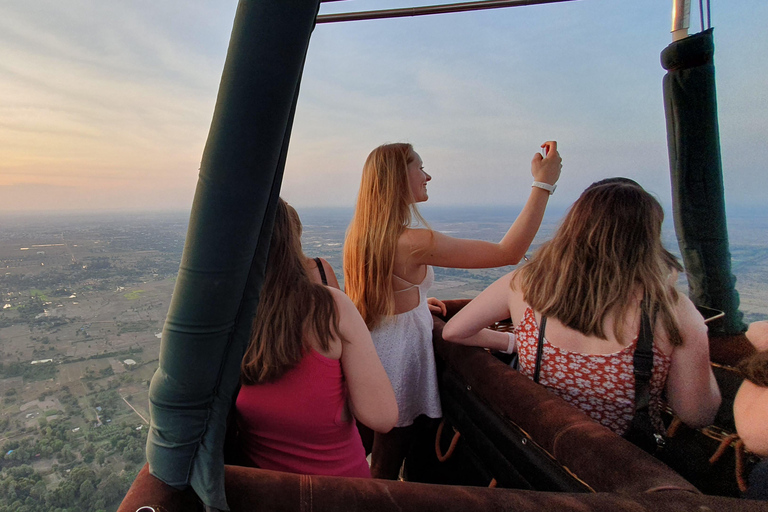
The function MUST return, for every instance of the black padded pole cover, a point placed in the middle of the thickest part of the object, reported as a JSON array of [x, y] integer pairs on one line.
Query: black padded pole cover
[[222, 268], [693, 141]]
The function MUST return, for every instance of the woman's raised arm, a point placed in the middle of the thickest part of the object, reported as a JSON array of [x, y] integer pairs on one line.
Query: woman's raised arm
[[371, 399], [434, 248]]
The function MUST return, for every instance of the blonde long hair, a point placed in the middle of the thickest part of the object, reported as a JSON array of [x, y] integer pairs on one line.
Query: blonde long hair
[[384, 210], [608, 245], [290, 307]]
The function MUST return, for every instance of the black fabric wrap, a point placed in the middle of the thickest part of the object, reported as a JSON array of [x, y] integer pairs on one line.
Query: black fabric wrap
[[222, 267], [693, 141]]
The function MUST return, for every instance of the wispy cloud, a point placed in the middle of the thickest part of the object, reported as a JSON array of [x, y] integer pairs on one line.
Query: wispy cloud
[[111, 101]]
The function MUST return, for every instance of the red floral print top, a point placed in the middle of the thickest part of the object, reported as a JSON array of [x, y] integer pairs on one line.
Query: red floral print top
[[601, 385]]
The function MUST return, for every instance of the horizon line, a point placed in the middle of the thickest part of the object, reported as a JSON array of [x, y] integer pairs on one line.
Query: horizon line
[[739, 208]]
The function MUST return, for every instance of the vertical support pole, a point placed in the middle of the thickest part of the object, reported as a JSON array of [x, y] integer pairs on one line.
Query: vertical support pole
[[681, 19], [693, 141], [222, 268]]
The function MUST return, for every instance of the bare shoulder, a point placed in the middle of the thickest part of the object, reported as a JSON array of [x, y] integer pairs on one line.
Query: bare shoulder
[[517, 302], [690, 320], [343, 303], [330, 275], [692, 328], [350, 320], [416, 239]]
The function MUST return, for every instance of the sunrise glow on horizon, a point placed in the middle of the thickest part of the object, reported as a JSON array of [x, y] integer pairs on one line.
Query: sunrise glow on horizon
[[108, 105]]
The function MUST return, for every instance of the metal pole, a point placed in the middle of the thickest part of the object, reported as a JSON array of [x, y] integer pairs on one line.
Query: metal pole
[[681, 14], [429, 9]]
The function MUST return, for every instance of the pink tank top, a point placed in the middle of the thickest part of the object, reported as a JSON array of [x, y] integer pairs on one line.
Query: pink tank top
[[295, 424], [601, 385]]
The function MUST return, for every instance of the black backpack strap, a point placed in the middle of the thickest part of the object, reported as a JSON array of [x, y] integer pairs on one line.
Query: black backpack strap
[[643, 363], [540, 349], [641, 430], [319, 264]]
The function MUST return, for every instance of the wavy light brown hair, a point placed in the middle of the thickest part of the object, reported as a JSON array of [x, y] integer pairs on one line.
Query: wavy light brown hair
[[291, 307], [385, 208], [608, 246]]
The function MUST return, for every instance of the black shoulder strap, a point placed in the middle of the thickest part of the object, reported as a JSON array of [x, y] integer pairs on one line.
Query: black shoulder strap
[[540, 349], [643, 369], [319, 264]]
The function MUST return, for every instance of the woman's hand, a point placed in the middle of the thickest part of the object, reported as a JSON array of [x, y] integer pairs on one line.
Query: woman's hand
[[436, 306], [547, 169]]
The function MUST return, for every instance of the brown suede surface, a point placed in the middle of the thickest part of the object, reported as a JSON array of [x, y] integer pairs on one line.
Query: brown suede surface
[[150, 491], [251, 489], [605, 461]]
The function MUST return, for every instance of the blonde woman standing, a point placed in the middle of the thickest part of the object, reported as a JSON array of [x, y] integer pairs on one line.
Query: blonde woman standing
[[388, 270]]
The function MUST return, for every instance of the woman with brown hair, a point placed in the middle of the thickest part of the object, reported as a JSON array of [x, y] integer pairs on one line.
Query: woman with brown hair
[[388, 270], [309, 371], [590, 289]]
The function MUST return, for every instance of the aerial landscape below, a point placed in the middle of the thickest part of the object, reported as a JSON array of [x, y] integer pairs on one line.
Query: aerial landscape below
[[84, 299]]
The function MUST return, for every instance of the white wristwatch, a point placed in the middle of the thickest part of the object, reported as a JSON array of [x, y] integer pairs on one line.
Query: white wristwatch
[[546, 186]]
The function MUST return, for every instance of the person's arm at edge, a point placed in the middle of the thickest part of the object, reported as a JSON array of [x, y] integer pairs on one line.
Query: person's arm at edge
[[468, 326], [692, 390], [371, 398]]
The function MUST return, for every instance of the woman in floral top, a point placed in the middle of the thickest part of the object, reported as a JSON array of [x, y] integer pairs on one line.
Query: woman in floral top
[[590, 281]]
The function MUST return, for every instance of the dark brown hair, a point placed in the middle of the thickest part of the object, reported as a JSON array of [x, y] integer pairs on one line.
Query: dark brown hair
[[755, 369], [608, 246], [291, 307]]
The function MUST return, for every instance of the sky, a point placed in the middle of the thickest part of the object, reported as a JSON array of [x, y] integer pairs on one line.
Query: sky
[[107, 105]]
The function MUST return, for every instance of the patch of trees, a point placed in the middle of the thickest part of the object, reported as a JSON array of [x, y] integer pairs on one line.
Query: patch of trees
[[88, 465], [50, 322], [30, 372], [28, 311], [61, 292], [99, 263], [22, 489], [142, 326], [69, 402], [108, 400], [7, 319], [115, 353], [53, 279]]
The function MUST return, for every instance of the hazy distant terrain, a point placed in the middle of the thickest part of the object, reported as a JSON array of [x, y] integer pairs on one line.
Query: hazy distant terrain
[[748, 232], [84, 300], [83, 303]]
